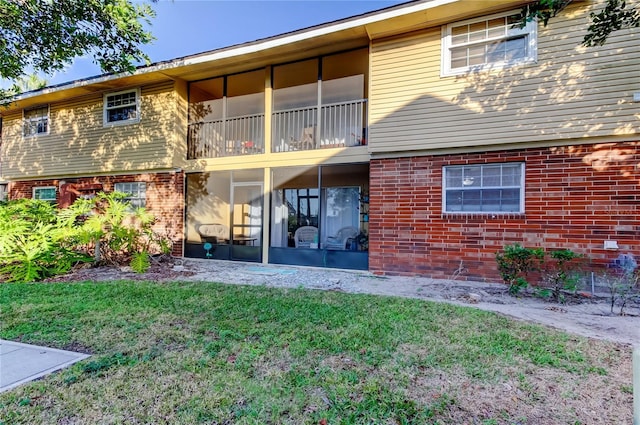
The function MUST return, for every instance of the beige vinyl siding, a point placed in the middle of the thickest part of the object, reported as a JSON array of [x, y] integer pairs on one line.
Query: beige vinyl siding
[[79, 144], [11, 129], [571, 92]]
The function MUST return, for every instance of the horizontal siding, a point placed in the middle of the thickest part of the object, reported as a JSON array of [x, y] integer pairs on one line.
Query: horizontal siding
[[11, 124], [78, 143], [571, 92]]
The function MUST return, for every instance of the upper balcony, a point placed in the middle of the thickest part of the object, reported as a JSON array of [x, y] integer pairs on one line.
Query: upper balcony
[[315, 104]]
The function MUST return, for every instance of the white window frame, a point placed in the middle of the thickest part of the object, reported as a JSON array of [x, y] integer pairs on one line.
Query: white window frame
[[35, 189], [521, 187], [106, 109], [530, 31], [25, 120], [140, 196]]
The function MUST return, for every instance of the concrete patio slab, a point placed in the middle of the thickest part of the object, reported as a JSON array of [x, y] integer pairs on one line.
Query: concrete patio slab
[[21, 363]]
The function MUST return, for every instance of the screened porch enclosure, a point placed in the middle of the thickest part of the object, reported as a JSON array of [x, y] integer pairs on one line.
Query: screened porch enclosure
[[315, 104], [320, 216], [224, 215], [226, 116], [320, 103]]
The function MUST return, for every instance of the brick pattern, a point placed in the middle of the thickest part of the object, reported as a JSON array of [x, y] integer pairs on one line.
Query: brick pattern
[[165, 197], [576, 197]]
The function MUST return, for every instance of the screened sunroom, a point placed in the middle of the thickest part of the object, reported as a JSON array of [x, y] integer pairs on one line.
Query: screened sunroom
[[318, 215]]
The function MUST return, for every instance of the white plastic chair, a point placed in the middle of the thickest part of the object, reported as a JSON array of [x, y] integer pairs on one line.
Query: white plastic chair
[[305, 236], [340, 239]]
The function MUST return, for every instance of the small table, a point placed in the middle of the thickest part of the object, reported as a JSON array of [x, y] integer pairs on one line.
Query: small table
[[244, 240]]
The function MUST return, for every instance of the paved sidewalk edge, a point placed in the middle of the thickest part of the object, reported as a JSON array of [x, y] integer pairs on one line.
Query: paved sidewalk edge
[[79, 357]]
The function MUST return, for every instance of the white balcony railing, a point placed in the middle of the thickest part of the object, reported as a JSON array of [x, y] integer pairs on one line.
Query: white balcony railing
[[335, 125], [230, 137], [340, 125]]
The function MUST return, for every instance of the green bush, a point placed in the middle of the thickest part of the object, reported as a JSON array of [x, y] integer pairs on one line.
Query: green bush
[[562, 272], [516, 262], [32, 244], [114, 231], [38, 240]]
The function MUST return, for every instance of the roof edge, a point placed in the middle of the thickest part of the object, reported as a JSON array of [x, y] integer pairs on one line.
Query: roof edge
[[251, 46]]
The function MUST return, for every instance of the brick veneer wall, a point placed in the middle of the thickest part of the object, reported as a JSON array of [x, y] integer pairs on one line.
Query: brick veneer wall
[[576, 197], [165, 197]]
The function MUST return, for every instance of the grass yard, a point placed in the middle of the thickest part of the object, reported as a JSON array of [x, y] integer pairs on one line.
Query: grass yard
[[188, 353]]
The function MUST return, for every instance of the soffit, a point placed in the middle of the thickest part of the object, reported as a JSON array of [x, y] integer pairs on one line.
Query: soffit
[[443, 14]]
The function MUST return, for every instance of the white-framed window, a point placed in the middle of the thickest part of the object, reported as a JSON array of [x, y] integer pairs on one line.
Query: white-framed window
[[45, 193], [494, 41], [483, 188], [122, 107], [4, 191], [136, 191], [35, 121]]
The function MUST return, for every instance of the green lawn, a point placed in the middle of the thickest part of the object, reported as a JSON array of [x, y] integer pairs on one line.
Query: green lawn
[[217, 354]]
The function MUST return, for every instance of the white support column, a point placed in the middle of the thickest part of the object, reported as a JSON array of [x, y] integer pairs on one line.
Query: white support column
[[268, 109], [266, 214], [318, 132]]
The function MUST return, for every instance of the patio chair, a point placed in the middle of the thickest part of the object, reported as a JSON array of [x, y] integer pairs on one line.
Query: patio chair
[[214, 233], [305, 236], [340, 239]]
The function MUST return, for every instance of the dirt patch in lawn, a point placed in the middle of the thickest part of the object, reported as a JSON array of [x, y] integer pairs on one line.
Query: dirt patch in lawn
[[533, 395]]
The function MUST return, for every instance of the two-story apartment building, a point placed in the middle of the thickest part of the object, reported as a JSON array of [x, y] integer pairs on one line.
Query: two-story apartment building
[[418, 139]]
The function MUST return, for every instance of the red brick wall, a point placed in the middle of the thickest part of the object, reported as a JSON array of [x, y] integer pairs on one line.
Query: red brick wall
[[165, 197], [575, 197]]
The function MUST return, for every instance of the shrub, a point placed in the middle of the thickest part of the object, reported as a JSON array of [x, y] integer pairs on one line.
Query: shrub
[[562, 272], [623, 281], [32, 244], [516, 262], [38, 241], [116, 233]]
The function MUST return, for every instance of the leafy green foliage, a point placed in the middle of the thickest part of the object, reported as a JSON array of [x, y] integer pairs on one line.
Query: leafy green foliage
[[543, 10], [616, 15], [32, 246], [140, 262], [38, 241], [119, 232], [562, 272], [44, 36], [516, 262]]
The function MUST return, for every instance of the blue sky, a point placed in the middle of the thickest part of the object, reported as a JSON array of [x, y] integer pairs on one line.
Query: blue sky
[[185, 27]]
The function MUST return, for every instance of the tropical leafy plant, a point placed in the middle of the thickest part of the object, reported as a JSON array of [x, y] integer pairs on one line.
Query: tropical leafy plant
[[37, 240], [140, 262], [32, 245]]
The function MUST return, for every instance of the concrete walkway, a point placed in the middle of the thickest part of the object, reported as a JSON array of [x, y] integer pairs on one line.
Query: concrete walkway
[[20, 363]]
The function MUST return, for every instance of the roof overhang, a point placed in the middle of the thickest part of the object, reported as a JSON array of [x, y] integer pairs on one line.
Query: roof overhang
[[343, 34]]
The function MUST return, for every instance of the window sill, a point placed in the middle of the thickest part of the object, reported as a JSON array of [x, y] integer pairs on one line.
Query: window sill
[[483, 215], [34, 136], [489, 67], [120, 123]]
